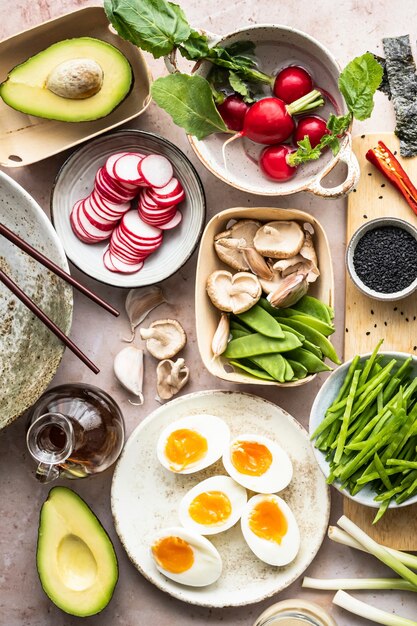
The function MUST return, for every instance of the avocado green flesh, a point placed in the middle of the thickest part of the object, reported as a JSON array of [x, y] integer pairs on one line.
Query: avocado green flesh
[[76, 561], [25, 88]]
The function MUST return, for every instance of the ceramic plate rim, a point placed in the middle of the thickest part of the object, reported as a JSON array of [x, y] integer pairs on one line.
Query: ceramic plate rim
[[366, 499], [63, 261], [119, 133], [130, 442]]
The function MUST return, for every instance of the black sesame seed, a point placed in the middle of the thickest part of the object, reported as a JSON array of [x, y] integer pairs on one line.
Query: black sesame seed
[[415, 348], [375, 325], [395, 308], [395, 152], [368, 333], [347, 330], [380, 197], [369, 173], [354, 191], [362, 136], [385, 259], [402, 313], [383, 185], [365, 217], [406, 319], [372, 312], [385, 324]]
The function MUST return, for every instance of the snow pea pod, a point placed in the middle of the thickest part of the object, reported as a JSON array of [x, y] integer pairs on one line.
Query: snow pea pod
[[261, 321], [251, 370], [299, 370], [323, 327], [307, 345], [315, 337], [309, 360], [274, 364], [316, 308], [255, 344], [294, 332], [289, 372], [236, 333], [235, 325]]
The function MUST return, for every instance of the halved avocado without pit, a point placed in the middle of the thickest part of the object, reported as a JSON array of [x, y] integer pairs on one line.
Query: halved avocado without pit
[[74, 80], [76, 561]]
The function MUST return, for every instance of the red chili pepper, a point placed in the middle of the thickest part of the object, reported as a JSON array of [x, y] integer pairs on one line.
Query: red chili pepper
[[385, 161]]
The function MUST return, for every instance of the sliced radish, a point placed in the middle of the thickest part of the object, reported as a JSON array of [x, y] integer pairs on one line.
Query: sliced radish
[[118, 184], [157, 221], [89, 228], [104, 214], [99, 222], [115, 207], [153, 215], [126, 257], [134, 225], [156, 170], [79, 230], [173, 223], [169, 200], [76, 228], [118, 192], [128, 246], [171, 189], [108, 263], [126, 169], [124, 268]]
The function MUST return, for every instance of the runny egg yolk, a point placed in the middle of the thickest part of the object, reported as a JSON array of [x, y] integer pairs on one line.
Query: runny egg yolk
[[185, 447], [250, 457], [267, 521], [210, 507], [173, 554]]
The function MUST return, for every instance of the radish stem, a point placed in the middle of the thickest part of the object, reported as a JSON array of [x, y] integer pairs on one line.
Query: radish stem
[[329, 584], [357, 607]]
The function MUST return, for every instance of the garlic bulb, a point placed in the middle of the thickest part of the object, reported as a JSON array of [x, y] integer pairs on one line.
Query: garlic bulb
[[128, 369], [139, 303]]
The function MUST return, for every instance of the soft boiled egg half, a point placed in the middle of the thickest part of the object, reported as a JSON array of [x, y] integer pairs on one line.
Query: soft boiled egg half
[[213, 505], [270, 529], [186, 557], [258, 463], [192, 443]]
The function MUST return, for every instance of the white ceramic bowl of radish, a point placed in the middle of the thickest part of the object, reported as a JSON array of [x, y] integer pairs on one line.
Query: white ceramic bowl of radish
[[278, 47], [130, 220]]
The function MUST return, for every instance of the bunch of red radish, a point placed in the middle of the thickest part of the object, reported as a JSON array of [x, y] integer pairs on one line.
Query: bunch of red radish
[[107, 214], [270, 121]]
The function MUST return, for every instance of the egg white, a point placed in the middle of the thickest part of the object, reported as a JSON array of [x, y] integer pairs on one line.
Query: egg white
[[278, 475], [207, 566], [269, 551], [236, 494], [215, 431]]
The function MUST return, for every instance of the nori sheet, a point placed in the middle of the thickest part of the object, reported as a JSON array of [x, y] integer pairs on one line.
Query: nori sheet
[[384, 86], [402, 76]]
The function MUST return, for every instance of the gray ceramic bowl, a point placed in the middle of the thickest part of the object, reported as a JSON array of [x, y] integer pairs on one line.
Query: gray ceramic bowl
[[324, 399], [75, 181], [29, 352], [350, 251]]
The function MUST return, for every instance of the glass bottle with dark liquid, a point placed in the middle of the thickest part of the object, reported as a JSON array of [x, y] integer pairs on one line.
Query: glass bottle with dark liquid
[[74, 431]]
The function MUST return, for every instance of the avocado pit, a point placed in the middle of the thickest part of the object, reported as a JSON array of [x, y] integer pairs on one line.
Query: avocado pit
[[76, 79]]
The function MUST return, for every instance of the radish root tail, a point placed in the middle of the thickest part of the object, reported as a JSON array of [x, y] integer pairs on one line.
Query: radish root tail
[[225, 144]]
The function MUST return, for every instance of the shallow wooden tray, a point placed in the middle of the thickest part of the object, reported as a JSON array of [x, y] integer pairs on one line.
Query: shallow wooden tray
[[368, 321], [26, 139], [207, 316]]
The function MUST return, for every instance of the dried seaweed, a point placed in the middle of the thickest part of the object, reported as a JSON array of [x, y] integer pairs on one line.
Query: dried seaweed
[[402, 76], [384, 86]]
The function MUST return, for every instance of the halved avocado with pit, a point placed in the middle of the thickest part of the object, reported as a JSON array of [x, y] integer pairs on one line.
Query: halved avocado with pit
[[76, 561], [75, 80]]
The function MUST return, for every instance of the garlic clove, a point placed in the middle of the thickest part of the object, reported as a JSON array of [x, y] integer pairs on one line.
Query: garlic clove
[[292, 289], [221, 336], [171, 377], [139, 303], [128, 369], [257, 263]]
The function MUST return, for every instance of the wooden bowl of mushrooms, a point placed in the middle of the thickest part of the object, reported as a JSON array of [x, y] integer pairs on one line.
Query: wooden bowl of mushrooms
[[264, 297]]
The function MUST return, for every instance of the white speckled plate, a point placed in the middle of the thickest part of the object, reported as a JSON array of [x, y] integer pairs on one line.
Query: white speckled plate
[[145, 498], [29, 352], [75, 181]]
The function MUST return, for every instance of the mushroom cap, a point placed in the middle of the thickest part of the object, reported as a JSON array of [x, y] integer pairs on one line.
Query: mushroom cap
[[233, 293], [239, 235], [171, 376], [164, 338], [279, 239]]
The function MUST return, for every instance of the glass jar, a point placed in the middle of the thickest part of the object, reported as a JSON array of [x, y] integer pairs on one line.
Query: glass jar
[[295, 613], [74, 431]]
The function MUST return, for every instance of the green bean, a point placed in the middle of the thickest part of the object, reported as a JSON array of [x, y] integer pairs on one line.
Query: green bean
[[274, 364], [309, 361], [261, 321], [382, 509], [401, 463], [299, 370], [369, 363], [316, 308], [315, 337], [346, 383], [379, 466], [341, 440], [255, 344], [251, 370]]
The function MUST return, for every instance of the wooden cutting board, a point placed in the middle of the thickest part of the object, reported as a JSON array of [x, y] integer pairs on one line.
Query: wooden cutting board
[[369, 320]]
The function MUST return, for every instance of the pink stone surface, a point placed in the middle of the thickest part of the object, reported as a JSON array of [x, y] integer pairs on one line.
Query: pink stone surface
[[348, 28]]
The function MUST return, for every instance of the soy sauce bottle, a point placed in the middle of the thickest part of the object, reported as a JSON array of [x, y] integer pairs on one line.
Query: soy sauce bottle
[[74, 431]]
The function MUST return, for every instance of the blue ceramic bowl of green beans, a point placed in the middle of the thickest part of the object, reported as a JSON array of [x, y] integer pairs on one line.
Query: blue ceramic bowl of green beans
[[371, 427]]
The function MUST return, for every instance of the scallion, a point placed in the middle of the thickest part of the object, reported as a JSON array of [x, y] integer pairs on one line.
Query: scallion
[[357, 607]]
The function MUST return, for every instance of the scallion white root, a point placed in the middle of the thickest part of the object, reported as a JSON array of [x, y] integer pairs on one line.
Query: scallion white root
[[357, 607], [377, 550], [333, 584], [340, 536]]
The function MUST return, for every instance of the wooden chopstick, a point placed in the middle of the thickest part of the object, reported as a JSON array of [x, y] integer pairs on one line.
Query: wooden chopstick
[[23, 245], [10, 284]]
